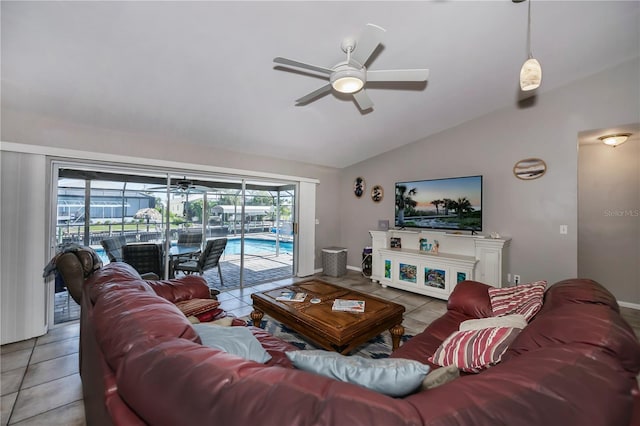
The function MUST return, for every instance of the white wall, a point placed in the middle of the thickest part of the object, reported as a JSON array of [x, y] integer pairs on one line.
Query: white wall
[[609, 216], [530, 212]]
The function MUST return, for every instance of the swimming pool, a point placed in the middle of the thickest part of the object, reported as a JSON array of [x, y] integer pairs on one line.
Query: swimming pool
[[257, 246], [252, 246]]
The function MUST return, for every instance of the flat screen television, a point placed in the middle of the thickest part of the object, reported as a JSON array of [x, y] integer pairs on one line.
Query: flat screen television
[[449, 204]]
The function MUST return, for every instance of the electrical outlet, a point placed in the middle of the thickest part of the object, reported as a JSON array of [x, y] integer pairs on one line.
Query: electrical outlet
[[509, 277], [516, 279]]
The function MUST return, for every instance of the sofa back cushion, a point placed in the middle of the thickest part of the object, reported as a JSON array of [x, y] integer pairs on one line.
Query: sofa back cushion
[[596, 330], [129, 315], [181, 289], [578, 291], [471, 298]]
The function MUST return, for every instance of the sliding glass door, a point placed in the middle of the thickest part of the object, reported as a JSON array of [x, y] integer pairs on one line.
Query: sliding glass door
[[96, 206]]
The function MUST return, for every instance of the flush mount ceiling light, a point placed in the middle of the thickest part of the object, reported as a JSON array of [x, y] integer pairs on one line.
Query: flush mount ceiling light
[[615, 140], [531, 71]]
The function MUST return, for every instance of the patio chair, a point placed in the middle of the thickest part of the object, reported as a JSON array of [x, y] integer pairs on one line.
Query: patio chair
[[193, 239], [146, 258], [113, 247], [209, 258], [190, 238]]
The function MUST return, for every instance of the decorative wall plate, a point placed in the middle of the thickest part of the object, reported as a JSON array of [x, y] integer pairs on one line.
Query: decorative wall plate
[[530, 168], [377, 193], [359, 186]]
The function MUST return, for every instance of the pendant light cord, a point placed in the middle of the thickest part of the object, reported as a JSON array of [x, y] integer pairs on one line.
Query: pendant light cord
[[529, 31]]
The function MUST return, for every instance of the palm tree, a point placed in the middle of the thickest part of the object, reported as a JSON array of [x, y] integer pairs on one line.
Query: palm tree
[[448, 203], [437, 203], [403, 200], [463, 205]]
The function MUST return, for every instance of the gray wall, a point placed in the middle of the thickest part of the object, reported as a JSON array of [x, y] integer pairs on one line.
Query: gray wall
[[23, 127], [530, 212], [609, 215]]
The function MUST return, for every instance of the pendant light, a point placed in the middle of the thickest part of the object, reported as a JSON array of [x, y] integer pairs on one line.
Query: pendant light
[[531, 71]]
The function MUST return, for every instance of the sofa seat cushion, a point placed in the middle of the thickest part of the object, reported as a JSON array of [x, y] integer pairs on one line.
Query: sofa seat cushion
[[180, 383], [234, 340], [523, 299], [475, 350]]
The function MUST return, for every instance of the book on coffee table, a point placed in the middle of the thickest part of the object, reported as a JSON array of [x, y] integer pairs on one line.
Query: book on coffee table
[[291, 296], [344, 305]]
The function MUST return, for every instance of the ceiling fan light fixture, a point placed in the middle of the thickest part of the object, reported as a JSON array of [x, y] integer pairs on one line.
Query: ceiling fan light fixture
[[615, 140], [347, 79], [348, 84]]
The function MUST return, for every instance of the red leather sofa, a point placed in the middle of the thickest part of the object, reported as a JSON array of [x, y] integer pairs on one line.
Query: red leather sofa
[[142, 363]]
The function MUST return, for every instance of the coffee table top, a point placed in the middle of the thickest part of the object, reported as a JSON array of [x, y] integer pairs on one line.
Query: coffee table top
[[319, 322]]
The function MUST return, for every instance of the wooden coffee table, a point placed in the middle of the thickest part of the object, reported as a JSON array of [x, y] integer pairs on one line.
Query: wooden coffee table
[[336, 331]]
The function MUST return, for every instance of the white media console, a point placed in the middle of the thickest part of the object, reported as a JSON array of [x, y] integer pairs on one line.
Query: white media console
[[460, 257]]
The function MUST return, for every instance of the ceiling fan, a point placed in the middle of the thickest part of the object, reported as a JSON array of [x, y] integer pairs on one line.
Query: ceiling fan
[[351, 76], [181, 186]]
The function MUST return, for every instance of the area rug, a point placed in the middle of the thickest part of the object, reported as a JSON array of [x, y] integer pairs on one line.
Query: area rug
[[378, 347]]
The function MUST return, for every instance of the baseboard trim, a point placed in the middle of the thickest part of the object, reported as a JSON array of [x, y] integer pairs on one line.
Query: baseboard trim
[[629, 305]]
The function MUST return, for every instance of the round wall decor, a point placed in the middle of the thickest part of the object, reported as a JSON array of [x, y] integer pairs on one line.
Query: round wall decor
[[377, 193], [359, 186], [530, 168]]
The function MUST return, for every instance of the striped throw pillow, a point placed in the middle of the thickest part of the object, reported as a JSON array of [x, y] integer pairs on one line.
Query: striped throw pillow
[[474, 350], [195, 307], [523, 299]]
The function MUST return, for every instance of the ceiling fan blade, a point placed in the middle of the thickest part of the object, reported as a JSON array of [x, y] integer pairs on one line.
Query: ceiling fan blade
[[313, 95], [363, 100], [298, 64], [367, 43], [398, 75]]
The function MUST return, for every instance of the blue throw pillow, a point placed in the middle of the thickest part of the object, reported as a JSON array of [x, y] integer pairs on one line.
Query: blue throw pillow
[[390, 376], [234, 340]]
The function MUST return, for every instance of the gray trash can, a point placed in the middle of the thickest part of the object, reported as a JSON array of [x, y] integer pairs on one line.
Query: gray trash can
[[334, 261]]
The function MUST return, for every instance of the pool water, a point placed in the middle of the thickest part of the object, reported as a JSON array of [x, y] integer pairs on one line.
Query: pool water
[[257, 246], [252, 246]]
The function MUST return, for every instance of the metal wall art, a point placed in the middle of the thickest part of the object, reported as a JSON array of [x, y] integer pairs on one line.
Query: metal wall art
[[359, 186], [377, 193]]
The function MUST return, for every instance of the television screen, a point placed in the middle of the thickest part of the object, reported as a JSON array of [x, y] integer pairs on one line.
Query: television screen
[[453, 203]]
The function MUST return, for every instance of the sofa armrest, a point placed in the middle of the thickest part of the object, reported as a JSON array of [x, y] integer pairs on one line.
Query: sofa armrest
[[179, 289], [471, 298]]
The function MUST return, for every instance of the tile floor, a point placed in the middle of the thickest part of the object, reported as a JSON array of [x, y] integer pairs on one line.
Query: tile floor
[[40, 384]]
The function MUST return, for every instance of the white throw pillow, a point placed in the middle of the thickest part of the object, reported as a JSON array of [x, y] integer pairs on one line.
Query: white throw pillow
[[390, 376], [513, 321], [234, 340]]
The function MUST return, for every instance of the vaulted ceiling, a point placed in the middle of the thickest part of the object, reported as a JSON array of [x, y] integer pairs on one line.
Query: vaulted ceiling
[[203, 72]]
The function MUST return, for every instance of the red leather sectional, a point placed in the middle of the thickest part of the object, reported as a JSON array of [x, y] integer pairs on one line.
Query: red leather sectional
[[142, 363]]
